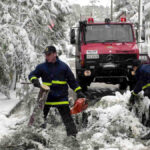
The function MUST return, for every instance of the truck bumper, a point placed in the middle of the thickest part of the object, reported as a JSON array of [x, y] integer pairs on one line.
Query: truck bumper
[[110, 79], [107, 75]]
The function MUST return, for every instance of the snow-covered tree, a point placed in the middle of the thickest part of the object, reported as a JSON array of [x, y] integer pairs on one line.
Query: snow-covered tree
[[43, 20], [17, 55], [27, 27], [83, 12], [130, 7]]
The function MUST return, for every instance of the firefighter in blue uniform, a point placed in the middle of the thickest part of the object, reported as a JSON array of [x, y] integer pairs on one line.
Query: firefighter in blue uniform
[[56, 74], [142, 74]]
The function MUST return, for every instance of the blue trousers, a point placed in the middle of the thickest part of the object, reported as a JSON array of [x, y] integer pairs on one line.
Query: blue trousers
[[67, 119]]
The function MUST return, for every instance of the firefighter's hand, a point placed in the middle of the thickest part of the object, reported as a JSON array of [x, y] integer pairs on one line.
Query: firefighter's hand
[[80, 94], [36, 83]]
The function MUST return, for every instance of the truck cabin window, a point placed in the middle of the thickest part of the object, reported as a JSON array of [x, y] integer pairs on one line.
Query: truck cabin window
[[109, 33]]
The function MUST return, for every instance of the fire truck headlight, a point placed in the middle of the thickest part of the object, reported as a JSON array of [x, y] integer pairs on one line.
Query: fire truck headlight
[[87, 73]]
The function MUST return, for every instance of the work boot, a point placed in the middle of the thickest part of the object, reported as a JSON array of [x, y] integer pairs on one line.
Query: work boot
[[72, 143], [146, 137], [75, 144], [44, 125]]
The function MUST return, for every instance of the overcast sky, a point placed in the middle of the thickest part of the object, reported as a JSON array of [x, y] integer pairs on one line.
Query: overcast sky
[[86, 2]]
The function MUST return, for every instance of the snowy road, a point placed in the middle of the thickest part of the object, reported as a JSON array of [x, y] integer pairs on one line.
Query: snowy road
[[106, 125]]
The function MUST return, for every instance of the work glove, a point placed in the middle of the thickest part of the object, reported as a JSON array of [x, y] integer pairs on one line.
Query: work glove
[[36, 83], [80, 94]]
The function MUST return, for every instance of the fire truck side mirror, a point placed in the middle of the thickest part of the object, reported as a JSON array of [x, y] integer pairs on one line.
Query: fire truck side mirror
[[72, 36]]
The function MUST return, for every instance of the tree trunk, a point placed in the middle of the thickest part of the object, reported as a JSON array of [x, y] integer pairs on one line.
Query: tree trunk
[[38, 109]]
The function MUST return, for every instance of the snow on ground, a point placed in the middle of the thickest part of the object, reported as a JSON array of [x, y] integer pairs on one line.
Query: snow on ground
[[6, 105], [111, 126]]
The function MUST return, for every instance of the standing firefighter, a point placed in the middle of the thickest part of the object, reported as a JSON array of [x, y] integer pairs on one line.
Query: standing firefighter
[[58, 76], [142, 74]]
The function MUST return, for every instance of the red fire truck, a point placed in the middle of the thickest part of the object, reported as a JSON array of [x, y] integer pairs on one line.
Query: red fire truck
[[104, 52]]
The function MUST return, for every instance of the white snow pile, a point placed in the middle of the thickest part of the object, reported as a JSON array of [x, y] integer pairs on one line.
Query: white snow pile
[[112, 126], [8, 125]]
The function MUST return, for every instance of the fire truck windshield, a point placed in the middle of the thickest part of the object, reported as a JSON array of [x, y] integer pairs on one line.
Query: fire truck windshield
[[101, 33]]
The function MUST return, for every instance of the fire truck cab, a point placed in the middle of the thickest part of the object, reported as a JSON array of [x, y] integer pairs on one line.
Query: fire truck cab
[[104, 52]]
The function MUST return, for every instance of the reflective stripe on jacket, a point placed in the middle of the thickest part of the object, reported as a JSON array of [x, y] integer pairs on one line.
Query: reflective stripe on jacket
[[143, 78], [58, 76]]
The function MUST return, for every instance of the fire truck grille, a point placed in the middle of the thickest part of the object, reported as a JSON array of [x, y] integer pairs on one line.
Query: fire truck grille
[[116, 58]]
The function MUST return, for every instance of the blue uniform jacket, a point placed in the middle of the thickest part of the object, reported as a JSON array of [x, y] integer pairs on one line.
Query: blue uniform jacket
[[143, 78], [58, 76]]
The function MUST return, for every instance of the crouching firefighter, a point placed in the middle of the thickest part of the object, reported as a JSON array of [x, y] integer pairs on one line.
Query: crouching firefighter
[[56, 74], [142, 74]]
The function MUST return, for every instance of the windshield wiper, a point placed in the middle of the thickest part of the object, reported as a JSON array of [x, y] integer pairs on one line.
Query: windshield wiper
[[91, 41], [111, 41]]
